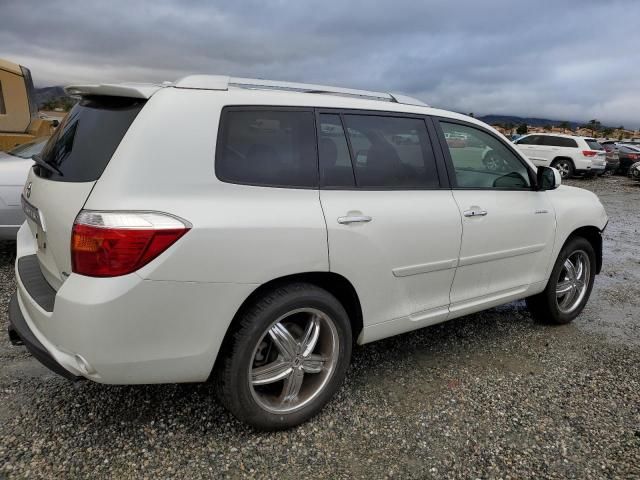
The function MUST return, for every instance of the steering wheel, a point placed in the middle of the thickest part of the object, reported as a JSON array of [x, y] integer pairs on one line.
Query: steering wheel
[[494, 163]]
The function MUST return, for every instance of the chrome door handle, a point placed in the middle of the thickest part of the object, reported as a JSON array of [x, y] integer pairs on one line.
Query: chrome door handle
[[354, 219], [475, 212]]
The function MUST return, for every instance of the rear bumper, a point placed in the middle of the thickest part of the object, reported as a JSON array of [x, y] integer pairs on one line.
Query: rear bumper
[[21, 334], [125, 330]]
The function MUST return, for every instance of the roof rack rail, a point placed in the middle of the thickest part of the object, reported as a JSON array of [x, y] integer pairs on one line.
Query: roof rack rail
[[221, 82], [306, 88]]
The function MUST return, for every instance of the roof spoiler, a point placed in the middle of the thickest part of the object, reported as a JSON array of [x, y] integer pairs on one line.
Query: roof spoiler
[[132, 90]]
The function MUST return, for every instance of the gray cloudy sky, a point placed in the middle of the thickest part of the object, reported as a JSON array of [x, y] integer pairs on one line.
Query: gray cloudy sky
[[572, 59]]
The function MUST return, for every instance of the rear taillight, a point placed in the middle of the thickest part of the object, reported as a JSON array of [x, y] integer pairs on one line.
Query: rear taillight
[[108, 244], [634, 156], [589, 153]]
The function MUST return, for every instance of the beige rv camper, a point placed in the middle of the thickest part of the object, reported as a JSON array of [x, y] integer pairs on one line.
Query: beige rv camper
[[19, 122]]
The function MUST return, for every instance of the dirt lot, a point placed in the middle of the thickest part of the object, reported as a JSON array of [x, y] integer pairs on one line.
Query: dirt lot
[[491, 395]]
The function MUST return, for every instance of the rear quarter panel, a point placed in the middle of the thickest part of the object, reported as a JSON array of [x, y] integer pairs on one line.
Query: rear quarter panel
[[240, 234]]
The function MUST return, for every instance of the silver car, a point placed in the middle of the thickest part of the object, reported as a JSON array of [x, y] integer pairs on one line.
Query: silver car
[[14, 168]]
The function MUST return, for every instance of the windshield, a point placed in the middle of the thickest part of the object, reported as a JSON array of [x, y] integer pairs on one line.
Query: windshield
[[83, 144], [28, 150]]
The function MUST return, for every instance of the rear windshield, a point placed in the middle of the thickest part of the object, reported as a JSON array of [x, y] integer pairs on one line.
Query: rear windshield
[[83, 144], [593, 144]]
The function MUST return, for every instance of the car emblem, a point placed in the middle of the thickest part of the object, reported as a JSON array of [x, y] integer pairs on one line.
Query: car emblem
[[27, 190]]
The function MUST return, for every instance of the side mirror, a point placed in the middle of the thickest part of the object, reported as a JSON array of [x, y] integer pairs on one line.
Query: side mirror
[[548, 178]]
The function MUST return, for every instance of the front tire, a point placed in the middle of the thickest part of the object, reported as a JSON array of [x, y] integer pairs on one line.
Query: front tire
[[569, 286], [286, 357]]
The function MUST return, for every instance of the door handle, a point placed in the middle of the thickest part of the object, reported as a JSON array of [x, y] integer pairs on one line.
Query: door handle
[[475, 212], [354, 219]]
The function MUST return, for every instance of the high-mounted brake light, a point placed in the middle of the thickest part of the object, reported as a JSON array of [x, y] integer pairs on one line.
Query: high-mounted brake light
[[109, 244], [589, 153]]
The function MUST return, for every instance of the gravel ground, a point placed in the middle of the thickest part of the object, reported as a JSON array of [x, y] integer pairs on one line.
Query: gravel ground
[[491, 395]]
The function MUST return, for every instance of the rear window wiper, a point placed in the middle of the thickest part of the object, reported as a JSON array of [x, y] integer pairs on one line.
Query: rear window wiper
[[47, 166]]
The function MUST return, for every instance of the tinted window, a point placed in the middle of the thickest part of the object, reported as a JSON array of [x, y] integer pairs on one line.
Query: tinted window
[[530, 140], [552, 141], [335, 162], [391, 152], [480, 160], [273, 148], [593, 144], [83, 144], [3, 109]]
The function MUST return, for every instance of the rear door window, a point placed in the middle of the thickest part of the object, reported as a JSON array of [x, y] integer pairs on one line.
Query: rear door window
[[335, 162], [85, 141], [268, 148], [530, 140], [391, 152], [560, 142]]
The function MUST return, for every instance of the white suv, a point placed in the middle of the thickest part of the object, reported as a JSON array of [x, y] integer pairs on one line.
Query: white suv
[[250, 231], [568, 154]]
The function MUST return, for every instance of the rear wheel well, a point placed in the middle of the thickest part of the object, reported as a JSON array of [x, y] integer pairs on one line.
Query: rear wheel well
[[335, 284], [594, 236], [555, 160]]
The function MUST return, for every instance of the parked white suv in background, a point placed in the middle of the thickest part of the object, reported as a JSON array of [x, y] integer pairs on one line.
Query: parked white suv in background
[[274, 224], [568, 154]]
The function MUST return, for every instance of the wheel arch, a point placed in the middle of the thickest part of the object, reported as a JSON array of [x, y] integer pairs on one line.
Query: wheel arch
[[594, 236], [563, 157], [336, 284]]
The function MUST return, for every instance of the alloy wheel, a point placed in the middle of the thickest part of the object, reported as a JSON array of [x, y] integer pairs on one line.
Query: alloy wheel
[[573, 281], [564, 168], [293, 360]]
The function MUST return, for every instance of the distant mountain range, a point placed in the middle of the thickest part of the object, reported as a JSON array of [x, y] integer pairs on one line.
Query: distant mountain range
[[534, 122], [47, 94]]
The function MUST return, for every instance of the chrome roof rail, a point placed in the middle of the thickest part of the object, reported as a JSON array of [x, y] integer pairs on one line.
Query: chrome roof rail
[[307, 88], [221, 82]]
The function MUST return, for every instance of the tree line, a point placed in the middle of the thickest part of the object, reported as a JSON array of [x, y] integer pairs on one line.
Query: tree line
[[594, 126]]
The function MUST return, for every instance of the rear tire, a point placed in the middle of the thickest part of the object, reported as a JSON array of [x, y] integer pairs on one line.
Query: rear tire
[[569, 285], [564, 166], [286, 357]]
